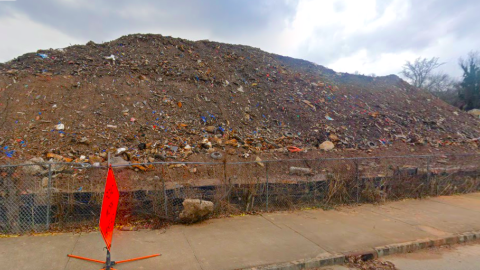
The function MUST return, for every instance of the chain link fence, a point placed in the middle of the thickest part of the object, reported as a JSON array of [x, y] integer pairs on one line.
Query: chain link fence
[[40, 197]]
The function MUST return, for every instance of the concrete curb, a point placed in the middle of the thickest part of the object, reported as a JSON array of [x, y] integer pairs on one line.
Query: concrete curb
[[407, 247], [319, 261]]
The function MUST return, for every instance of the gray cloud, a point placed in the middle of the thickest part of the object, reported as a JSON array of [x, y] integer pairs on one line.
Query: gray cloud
[[100, 20], [426, 24]]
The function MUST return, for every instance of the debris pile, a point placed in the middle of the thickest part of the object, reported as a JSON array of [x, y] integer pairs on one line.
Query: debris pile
[[147, 98]]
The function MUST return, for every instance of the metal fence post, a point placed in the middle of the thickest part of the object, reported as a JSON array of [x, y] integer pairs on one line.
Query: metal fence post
[[49, 195], [357, 180], [266, 175], [428, 173], [227, 190], [165, 199]]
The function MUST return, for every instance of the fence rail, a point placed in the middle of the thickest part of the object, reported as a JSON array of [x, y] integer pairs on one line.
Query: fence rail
[[50, 196]]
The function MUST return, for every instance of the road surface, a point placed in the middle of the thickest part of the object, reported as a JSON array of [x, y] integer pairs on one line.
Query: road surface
[[462, 257]]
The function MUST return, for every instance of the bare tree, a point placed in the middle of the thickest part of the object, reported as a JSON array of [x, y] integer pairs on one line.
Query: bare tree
[[419, 71], [439, 82]]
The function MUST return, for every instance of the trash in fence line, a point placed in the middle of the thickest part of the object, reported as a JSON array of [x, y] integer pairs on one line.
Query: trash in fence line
[[300, 171], [237, 188]]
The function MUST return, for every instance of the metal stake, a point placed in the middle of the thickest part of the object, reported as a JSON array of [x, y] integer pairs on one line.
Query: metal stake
[[266, 174], [49, 195]]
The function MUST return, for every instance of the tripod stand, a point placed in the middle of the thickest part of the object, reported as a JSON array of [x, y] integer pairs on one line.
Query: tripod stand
[[108, 263]]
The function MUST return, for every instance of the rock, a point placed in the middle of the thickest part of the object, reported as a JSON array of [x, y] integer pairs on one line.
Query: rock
[[333, 138], [84, 140], [119, 161], [160, 156], [206, 144], [475, 112], [142, 146], [44, 182], [34, 169], [232, 142], [300, 171], [187, 149], [259, 161], [327, 146], [195, 210], [95, 159], [210, 129], [55, 167]]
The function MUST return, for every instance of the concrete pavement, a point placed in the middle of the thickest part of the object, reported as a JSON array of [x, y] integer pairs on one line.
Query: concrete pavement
[[250, 241]]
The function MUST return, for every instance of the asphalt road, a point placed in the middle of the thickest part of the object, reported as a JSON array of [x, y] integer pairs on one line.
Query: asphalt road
[[461, 257]]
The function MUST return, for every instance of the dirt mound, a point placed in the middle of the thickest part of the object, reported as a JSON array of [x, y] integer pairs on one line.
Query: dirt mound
[[152, 97]]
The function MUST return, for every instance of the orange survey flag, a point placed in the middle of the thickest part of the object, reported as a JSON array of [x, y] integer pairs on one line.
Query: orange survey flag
[[109, 208]]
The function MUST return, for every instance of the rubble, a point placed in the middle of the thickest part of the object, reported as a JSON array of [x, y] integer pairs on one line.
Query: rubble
[[195, 210], [35, 169], [300, 171], [327, 146], [259, 161], [149, 97], [475, 112]]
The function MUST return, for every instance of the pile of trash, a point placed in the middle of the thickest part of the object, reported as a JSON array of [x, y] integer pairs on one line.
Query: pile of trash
[[148, 98]]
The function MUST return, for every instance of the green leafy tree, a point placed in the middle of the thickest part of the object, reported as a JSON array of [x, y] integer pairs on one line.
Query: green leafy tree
[[469, 92]]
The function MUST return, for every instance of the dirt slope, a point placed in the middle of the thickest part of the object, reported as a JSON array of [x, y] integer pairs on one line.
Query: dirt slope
[[159, 96]]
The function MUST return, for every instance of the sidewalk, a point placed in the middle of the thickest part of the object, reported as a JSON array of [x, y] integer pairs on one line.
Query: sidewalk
[[249, 241]]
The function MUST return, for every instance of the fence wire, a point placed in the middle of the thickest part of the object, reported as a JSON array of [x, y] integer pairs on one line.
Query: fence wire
[[39, 197]]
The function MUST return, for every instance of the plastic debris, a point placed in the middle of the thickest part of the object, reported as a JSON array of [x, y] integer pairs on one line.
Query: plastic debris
[[300, 171], [111, 57], [293, 149]]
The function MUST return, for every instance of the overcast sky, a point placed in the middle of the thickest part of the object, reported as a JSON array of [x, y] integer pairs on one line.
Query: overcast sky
[[368, 36]]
